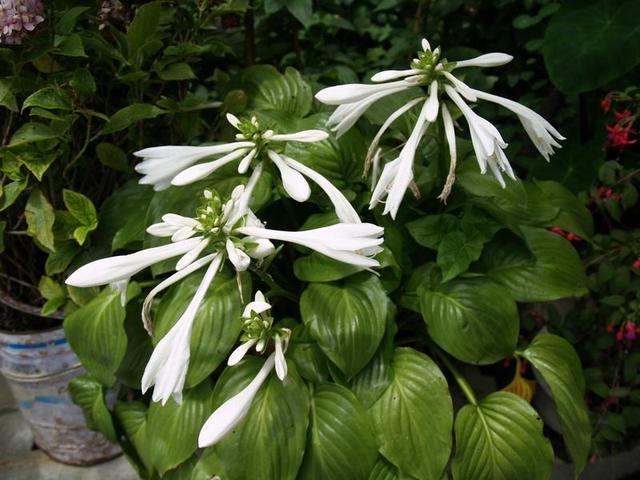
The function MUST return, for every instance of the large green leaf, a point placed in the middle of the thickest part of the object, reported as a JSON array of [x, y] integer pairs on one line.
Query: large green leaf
[[556, 360], [96, 334], [217, 322], [40, 218], [573, 216], [347, 319], [341, 443], [588, 44], [32, 132], [49, 98], [473, 319], [132, 416], [286, 92], [546, 267], [269, 443], [320, 268], [89, 396], [501, 439], [143, 28], [171, 431], [414, 417]]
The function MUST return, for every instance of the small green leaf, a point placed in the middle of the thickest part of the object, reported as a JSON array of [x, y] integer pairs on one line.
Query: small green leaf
[[177, 71], [49, 98], [80, 206], [113, 157], [501, 437], [82, 81], [131, 114], [32, 132], [89, 396], [456, 252], [414, 416], [302, 10], [58, 261], [68, 21], [71, 46], [556, 360], [347, 320], [11, 192], [96, 334], [341, 440], [429, 230], [40, 218], [473, 319]]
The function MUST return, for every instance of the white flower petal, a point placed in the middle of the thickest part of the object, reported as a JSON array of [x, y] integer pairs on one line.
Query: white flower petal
[[244, 164], [233, 120], [450, 136], [354, 92], [237, 257], [260, 248], [426, 47], [466, 91], [193, 254], [486, 60], [122, 267], [280, 361], [431, 111], [231, 412], [387, 75], [292, 181], [303, 136], [239, 353], [240, 206], [203, 170]]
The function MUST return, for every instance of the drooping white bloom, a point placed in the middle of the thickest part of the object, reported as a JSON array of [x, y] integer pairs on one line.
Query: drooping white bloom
[[167, 367], [231, 412], [433, 76], [346, 242]]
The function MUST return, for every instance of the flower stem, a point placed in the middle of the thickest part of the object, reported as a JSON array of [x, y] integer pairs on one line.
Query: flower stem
[[460, 380]]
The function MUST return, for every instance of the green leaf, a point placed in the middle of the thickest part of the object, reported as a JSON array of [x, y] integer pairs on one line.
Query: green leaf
[[177, 71], [341, 441], [82, 81], [319, 268], [473, 319], [384, 470], [96, 334], [589, 44], [501, 437], [430, 230], [54, 293], [80, 206], [11, 192], [172, 430], [347, 320], [113, 157], [7, 95], [89, 396], [546, 267], [573, 216], [311, 363], [302, 10], [217, 322], [71, 46], [270, 442], [40, 218], [414, 416], [129, 115], [456, 253], [68, 21], [32, 132], [133, 418], [556, 360], [49, 98], [143, 28], [288, 92], [37, 162], [58, 261]]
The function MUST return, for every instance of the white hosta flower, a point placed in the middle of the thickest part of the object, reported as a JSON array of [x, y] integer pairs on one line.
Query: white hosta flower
[[434, 76], [167, 367], [346, 242], [231, 412]]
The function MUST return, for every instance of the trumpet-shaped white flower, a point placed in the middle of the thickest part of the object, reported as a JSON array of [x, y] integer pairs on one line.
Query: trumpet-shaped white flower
[[176, 165], [231, 412], [434, 76]]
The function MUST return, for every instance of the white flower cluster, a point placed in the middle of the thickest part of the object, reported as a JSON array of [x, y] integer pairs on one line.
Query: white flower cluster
[[442, 90], [17, 18]]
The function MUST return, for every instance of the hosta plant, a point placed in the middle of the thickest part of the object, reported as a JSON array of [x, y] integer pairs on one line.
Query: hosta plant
[[278, 324]]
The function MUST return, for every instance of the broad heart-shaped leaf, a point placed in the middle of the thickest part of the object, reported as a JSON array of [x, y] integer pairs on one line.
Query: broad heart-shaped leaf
[[383, 470], [320, 268], [269, 443], [556, 360], [456, 252], [347, 319], [501, 438], [132, 416], [588, 44], [546, 267], [217, 323], [474, 319], [40, 218], [139, 347], [96, 334], [89, 396], [286, 92], [573, 216], [172, 431], [341, 444], [414, 417]]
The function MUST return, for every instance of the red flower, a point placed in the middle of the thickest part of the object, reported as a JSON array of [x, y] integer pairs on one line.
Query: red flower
[[558, 230], [619, 135], [619, 335], [636, 264], [573, 237], [605, 103], [626, 113], [610, 328]]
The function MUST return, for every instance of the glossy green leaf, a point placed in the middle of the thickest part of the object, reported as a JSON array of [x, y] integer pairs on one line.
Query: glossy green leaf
[[341, 443], [545, 267], [346, 319], [217, 322], [269, 443], [319, 268], [71, 46], [414, 417], [172, 430], [40, 218], [89, 396], [287, 92], [456, 253], [68, 21], [142, 28], [132, 416], [49, 98], [80, 206], [556, 360], [96, 334], [32, 132], [131, 114], [501, 437], [588, 44], [573, 216], [10, 193], [177, 71], [429, 230], [473, 319]]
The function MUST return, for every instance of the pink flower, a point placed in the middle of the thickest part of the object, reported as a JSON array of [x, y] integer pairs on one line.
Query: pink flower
[[17, 18], [636, 264], [605, 103]]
